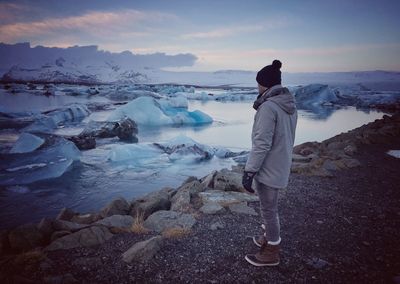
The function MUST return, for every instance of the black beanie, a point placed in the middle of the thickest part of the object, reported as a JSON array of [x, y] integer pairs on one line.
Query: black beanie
[[270, 75]]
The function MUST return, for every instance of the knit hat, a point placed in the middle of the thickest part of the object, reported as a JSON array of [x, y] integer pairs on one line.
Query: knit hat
[[270, 75]]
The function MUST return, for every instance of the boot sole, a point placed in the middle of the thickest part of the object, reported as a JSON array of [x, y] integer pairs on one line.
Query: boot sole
[[260, 264]]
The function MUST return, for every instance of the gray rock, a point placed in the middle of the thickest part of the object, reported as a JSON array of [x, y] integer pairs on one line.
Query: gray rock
[[217, 225], [84, 238], [208, 181], [118, 206], [152, 202], [242, 208], [225, 198], [227, 180], [161, 220], [88, 218], [143, 251], [212, 208], [59, 234], [350, 149], [65, 214], [181, 201], [62, 225], [329, 165], [120, 221], [192, 187], [301, 159], [46, 227], [25, 237]]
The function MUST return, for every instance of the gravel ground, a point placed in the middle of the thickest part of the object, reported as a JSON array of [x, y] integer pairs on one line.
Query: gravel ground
[[343, 229]]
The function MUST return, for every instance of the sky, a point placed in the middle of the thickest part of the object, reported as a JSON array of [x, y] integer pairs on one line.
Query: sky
[[306, 35]]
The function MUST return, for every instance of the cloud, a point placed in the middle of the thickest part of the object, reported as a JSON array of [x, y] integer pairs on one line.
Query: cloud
[[222, 32], [98, 23], [23, 55]]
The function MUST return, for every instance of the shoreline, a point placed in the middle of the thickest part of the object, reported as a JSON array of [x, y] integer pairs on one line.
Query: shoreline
[[349, 200]]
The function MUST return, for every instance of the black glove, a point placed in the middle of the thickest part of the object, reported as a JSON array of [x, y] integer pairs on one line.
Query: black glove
[[247, 180]]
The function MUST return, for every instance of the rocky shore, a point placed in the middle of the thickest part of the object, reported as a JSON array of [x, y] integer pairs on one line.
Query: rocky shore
[[340, 218]]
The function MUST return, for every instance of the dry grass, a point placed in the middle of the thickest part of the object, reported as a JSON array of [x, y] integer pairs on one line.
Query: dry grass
[[176, 233], [137, 226]]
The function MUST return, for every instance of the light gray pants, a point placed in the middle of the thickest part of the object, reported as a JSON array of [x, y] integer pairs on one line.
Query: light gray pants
[[269, 210]]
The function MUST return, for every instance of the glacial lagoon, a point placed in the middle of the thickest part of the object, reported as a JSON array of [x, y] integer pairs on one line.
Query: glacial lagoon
[[98, 178]]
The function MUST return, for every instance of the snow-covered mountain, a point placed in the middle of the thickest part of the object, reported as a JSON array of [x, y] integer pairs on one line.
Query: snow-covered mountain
[[89, 65]]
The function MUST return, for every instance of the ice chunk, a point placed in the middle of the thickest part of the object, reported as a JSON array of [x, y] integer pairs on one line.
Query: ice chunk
[[394, 153], [150, 112], [50, 162], [51, 119], [27, 143], [315, 95], [183, 147], [133, 152]]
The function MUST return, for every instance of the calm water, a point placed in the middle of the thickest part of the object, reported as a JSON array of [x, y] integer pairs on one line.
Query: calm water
[[94, 182]]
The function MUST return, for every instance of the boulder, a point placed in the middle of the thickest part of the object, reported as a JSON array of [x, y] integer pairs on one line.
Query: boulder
[[143, 251], [59, 234], [118, 206], [46, 227], [66, 214], [84, 238], [152, 202], [62, 225], [207, 182], [242, 208], [181, 201], [119, 221], [211, 208], [350, 149], [302, 159], [227, 180], [25, 237], [329, 165], [225, 198], [86, 218], [161, 220]]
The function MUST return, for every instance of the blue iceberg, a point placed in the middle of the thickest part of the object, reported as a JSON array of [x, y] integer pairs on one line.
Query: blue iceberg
[[51, 161], [148, 111]]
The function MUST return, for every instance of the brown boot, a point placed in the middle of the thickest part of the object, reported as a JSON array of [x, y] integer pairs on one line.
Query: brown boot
[[267, 256], [260, 240]]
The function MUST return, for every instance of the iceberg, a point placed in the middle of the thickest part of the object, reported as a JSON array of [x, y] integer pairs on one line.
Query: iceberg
[[148, 111], [50, 162], [183, 147], [52, 119], [27, 143]]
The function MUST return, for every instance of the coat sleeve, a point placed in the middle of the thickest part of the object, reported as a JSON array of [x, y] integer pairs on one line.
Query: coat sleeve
[[262, 137]]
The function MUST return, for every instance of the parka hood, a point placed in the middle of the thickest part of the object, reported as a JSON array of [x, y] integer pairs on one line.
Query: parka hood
[[280, 96]]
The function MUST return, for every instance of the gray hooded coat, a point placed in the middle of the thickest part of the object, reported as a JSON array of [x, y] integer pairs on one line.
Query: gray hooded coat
[[273, 137]]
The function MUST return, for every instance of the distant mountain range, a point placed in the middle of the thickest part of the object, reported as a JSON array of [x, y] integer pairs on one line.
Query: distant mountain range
[[88, 65]]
